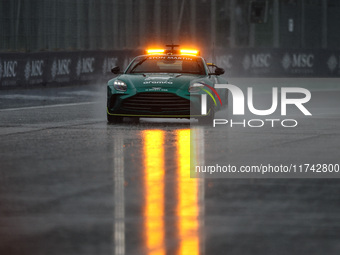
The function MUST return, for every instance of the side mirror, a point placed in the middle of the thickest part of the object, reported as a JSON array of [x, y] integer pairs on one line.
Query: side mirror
[[219, 71], [115, 70]]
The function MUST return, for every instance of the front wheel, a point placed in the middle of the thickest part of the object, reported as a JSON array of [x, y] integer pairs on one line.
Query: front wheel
[[114, 119]]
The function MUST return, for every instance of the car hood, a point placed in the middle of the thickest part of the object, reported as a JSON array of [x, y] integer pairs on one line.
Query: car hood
[[166, 80]]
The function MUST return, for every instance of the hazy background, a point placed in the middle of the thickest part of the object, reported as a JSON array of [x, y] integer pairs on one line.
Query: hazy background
[[51, 25]]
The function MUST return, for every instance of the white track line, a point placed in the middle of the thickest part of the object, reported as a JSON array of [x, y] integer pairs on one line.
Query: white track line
[[46, 106]]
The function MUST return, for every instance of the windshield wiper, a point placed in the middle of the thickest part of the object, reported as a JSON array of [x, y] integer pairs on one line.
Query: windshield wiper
[[138, 64]]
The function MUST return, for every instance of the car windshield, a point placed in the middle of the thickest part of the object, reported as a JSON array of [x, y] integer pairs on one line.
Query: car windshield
[[167, 64]]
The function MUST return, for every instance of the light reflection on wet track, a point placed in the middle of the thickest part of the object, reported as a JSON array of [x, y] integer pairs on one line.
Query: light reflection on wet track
[[188, 200], [154, 169], [188, 206]]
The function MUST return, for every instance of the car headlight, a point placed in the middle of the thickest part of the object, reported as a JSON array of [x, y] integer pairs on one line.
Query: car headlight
[[196, 87], [120, 85]]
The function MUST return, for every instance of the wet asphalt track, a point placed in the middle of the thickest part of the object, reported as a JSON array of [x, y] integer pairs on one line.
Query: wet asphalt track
[[72, 184]]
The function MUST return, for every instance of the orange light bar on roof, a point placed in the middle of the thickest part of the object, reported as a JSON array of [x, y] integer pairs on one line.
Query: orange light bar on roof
[[190, 52], [155, 51]]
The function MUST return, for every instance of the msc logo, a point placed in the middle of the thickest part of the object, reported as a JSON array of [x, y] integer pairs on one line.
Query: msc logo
[[108, 64], [34, 68], [85, 65], [8, 69], [298, 60], [256, 61], [60, 67], [225, 61]]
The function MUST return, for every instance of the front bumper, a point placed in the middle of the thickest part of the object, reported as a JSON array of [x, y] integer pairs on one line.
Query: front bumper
[[155, 104]]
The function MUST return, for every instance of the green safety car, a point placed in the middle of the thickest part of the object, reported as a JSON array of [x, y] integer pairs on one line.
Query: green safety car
[[173, 83]]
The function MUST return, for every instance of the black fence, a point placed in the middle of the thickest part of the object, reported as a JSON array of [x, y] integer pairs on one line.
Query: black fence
[[60, 25], [83, 67]]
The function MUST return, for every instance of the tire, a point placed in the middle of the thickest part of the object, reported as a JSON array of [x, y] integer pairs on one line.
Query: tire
[[114, 119]]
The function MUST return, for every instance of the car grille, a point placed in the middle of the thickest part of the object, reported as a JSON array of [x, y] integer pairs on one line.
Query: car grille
[[157, 102]]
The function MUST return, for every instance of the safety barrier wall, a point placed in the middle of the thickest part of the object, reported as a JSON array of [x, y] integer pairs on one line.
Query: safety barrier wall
[[279, 62], [81, 67], [59, 68]]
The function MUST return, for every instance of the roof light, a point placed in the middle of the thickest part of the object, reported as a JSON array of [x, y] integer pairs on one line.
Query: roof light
[[155, 51], [190, 52]]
